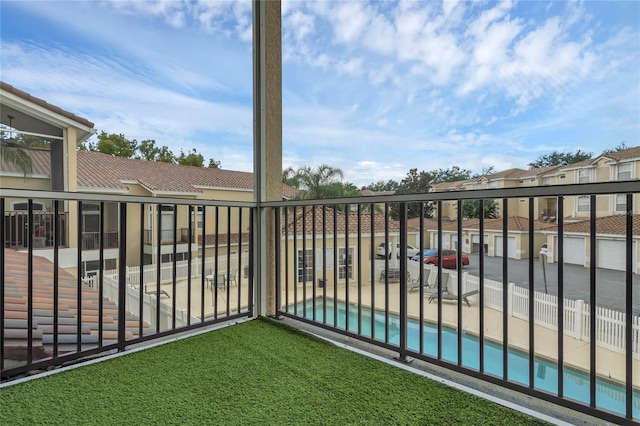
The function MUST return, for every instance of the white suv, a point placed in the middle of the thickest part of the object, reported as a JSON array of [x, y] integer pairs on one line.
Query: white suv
[[381, 252]]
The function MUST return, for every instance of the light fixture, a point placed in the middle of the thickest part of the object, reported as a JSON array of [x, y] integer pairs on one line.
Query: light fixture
[[11, 141]]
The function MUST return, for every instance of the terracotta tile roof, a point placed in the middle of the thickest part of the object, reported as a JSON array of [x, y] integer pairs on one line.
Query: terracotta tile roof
[[210, 239], [102, 171], [626, 154], [514, 173], [539, 171], [365, 220], [44, 104], [515, 223], [613, 225], [16, 313]]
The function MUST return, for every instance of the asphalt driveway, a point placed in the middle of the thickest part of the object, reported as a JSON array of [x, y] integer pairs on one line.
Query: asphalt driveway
[[610, 284]]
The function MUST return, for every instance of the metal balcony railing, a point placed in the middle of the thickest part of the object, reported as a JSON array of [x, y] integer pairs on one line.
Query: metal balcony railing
[[534, 290], [16, 225], [549, 309], [69, 302]]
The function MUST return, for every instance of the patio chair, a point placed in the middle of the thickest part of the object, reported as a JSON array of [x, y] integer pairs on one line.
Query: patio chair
[[415, 284], [232, 277], [464, 297], [434, 284]]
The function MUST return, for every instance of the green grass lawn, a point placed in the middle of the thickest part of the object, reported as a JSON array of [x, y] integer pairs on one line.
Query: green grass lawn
[[256, 373]]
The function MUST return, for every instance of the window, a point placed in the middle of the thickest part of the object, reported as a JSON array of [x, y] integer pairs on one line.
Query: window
[[492, 185], [584, 176], [197, 217], [345, 264], [583, 203], [621, 203], [91, 267], [167, 257], [546, 181], [624, 171], [304, 267]]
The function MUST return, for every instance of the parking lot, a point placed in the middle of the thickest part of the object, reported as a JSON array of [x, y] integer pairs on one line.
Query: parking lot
[[610, 284]]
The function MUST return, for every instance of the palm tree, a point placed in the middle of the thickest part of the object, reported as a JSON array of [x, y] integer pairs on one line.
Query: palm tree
[[14, 151], [321, 182]]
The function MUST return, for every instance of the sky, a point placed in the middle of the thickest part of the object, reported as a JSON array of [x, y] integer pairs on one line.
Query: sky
[[375, 88]]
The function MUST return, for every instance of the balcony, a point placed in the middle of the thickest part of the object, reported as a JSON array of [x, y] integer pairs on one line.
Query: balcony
[[167, 236], [44, 225], [547, 317]]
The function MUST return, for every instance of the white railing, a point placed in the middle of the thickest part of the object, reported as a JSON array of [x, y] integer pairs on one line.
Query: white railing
[[610, 324]]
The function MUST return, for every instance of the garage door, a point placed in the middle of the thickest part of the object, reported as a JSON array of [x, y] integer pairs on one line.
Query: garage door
[[511, 249], [611, 254], [475, 241], [574, 251]]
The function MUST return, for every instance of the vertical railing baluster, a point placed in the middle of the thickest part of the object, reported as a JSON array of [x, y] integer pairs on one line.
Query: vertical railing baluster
[[402, 207], [388, 253], [459, 276], [101, 276], [174, 272], [439, 279], [560, 251], [239, 269], [313, 261], [227, 285], [359, 257], [141, 283], [481, 286], [158, 263], [277, 241], [2, 284], [335, 265], [629, 309], [303, 231], [297, 261], [191, 213], [324, 264], [372, 214], [285, 214], [214, 281], [421, 282], [250, 282], [122, 270], [505, 288], [532, 296], [81, 272], [592, 301], [346, 266], [203, 270]]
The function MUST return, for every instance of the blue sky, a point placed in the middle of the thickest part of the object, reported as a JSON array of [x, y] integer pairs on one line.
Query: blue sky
[[375, 88]]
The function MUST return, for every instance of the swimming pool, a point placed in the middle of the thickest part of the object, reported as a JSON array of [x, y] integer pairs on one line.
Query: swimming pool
[[609, 396]]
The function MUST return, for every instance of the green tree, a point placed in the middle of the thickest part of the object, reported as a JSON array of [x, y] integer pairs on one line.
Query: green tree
[[147, 150], [453, 174], [113, 144], [213, 164], [14, 150], [193, 158], [620, 147], [556, 158], [323, 181], [471, 209], [414, 183], [390, 185]]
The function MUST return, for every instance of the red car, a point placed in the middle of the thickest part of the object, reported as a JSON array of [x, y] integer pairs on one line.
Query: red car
[[449, 258]]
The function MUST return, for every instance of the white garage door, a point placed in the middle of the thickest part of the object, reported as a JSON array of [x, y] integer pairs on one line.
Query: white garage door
[[611, 254], [511, 249], [574, 251]]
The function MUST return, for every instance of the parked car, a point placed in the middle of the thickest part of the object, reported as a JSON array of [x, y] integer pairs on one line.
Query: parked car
[[448, 259], [381, 252], [426, 253]]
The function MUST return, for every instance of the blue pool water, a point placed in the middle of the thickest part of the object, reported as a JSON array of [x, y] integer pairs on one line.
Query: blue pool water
[[576, 385]]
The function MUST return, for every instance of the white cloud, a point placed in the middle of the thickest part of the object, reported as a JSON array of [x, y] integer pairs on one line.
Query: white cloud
[[352, 67]]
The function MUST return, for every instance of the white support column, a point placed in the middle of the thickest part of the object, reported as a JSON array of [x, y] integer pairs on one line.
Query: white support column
[[267, 66]]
